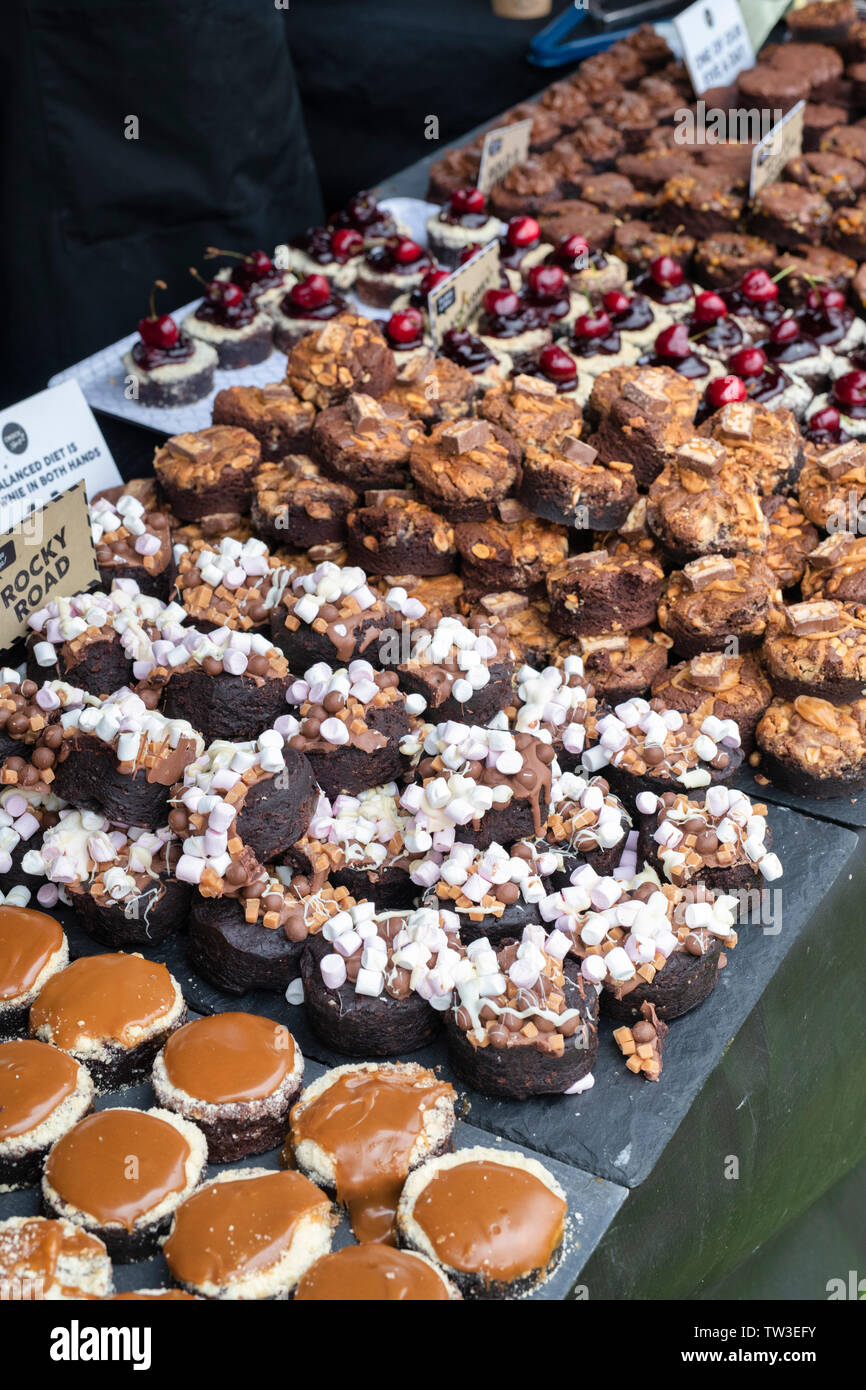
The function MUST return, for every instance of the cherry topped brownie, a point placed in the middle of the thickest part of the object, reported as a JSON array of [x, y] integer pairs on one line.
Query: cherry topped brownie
[[207, 472], [295, 504], [333, 615], [817, 648], [723, 841], [364, 443], [717, 598], [393, 533], [464, 221], [308, 305], [569, 484], [493, 1221], [814, 748], [599, 592], [349, 354], [166, 366], [236, 1076], [233, 323], [466, 350], [463, 468], [390, 268], [521, 248], [330, 251], [508, 555], [359, 1130], [278, 419], [132, 540], [735, 685]]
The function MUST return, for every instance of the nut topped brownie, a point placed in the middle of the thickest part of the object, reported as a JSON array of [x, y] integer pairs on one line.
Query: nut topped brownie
[[349, 354], [817, 648], [568, 483], [832, 486], [717, 598], [498, 555], [463, 468], [431, 388], [209, 471], [813, 747], [394, 533], [597, 592], [274, 414], [702, 505], [530, 409], [364, 443], [836, 569], [649, 417], [295, 504]]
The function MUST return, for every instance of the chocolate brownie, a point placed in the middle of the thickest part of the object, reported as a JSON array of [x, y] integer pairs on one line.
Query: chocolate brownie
[[802, 267], [723, 259], [527, 622], [364, 443], [526, 188], [820, 117], [839, 180], [570, 487], [294, 504], [208, 471], [700, 204], [503, 554], [463, 468], [349, 354], [847, 232], [393, 533], [813, 748], [735, 686], [601, 593]]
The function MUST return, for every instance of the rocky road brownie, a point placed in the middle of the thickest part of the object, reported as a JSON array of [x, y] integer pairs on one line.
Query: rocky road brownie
[[645, 746], [333, 615], [461, 669], [209, 471], [132, 540], [723, 841]]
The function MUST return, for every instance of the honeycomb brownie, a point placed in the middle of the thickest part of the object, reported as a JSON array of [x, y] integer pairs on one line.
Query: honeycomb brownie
[[122, 758], [33, 949], [599, 592], [374, 1274], [295, 504], [359, 1130], [431, 389], [791, 540], [700, 505], [620, 664], [508, 555], [493, 1221], [649, 416], [93, 640], [390, 268], [490, 784], [527, 622], [814, 748], [461, 669], [53, 1260], [43, 1093], [252, 935], [645, 942], [236, 1077], [639, 244], [735, 686], [647, 747], [835, 569], [463, 468], [830, 481], [357, 842], [570, 487], [88, 1178], [279, 420], [249, 1233], [839, 180], [787, 214], [132, 541], [370, 978], [495, 892], [723, 259], [526, 188], [519, 1026], [818, 648], [715, 599], [110, 1012], [348, 354], [723, 842], [393, 533], [349, 725], [531, 410], [209, 471], [333, 615]]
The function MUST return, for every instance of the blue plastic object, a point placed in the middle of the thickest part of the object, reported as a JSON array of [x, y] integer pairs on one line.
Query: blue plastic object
[[549, 50]]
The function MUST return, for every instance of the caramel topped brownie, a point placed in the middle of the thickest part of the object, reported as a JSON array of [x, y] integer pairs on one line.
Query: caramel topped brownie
[[618, 664], [132, 540], [723, 841], [569, 484], [735, 686], [596, 592], [818, 648], [764, 445], [791, 540], [836, 569], [208, 471], [295, 504], [278, 418], [463, 468], [832, 486], [349, 354], [431, 388], [527, 622], [814, 748], [508, 555], [394, 533], [364, 442], [700, 505], [531, 410], [648, 420], [231, 585], [716, 598]]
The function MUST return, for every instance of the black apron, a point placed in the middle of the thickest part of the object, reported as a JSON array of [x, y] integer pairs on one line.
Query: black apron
[[91, 217]]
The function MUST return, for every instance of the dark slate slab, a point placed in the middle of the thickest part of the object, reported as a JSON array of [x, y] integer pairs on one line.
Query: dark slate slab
[[592, 1205], [619, 1129], [843, 810]]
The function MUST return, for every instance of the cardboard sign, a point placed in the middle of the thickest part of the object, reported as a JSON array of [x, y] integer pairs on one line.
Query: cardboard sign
[[47, 443], [46, 554], [715, 43], [783, 142], [503, 148], [457, 300]]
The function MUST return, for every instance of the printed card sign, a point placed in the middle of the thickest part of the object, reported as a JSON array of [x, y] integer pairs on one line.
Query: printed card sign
[[47, 553], [456, 300], [503, 148], [760, 17], [715, 43], [783, 142], [47, 443]]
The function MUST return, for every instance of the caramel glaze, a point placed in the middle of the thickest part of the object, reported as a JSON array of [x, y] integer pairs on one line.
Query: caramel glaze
[[32, 1252], [107, 996], [490, 1219], [28, 940], [369, 1122], [228, 1230], [163, 1295], [34, 1079], [229, 1057], [371, 1274], [117, 1165]]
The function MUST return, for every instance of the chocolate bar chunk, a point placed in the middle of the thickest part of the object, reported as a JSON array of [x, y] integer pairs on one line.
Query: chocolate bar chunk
[[535, 386], [278, 391], [606, 642], [510, 510], [576, 450], [588, 560], [464, 435], [810, 619], [836, 462], [191, 446], [709, 569], [707, 669], [334, 337], [505, 604], [831, 551], [702, 456], [417, 368], [737, 420], [647, 390], [365, 413]]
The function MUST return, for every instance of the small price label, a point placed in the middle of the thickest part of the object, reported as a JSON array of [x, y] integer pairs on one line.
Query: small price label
[[457, 300], [47, 553], [783, 142], [715, 43], [503, 148]]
